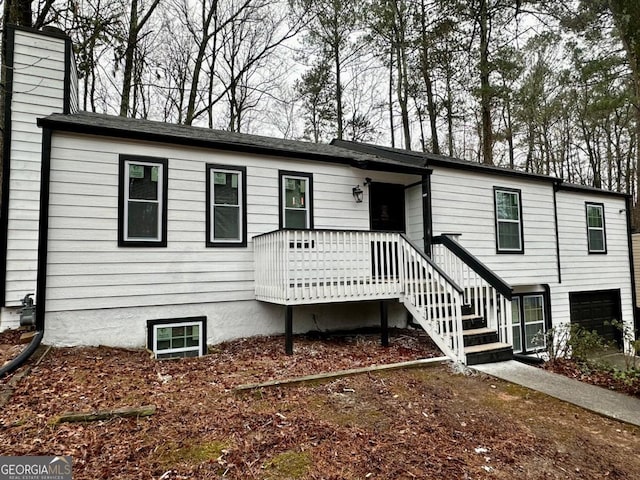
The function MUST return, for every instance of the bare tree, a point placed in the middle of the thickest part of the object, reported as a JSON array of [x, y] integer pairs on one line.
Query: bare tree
[[137, 21]]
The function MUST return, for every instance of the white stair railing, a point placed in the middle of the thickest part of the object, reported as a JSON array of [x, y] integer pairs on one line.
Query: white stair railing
[[434, 300], [485, 291]]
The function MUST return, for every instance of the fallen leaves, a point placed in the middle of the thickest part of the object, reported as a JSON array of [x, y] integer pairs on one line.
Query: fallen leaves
[[421, 423], [602, 377]]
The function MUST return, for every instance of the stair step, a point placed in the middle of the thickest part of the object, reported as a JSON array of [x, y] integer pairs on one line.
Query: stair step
[[479, 336], [488, 353], [468, 310], [472, 322], [486, 347], [478, 331]]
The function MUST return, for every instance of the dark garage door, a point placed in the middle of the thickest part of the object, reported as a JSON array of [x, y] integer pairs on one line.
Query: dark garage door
[[592, 310]]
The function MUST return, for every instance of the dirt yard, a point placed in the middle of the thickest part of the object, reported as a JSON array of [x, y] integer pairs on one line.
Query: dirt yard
[[426, 423]]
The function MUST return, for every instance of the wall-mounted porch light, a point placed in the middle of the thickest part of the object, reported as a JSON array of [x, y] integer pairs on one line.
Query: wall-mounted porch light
[[357, 193]]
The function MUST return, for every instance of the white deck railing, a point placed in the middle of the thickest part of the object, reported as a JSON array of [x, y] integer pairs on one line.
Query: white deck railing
[[484, 290], [319, 266], [296, 267]]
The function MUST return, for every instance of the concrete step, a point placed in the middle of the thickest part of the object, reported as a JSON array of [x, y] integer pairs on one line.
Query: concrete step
[[479, 336], [488, 353]]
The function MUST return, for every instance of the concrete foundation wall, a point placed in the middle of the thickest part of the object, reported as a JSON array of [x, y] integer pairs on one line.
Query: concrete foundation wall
[[127, 327]]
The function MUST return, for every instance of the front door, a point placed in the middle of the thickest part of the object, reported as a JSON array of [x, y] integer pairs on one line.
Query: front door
[[386, 207]]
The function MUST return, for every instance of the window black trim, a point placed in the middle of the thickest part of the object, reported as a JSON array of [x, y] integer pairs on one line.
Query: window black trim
[[122, 242], [546, 308], [521, 221], [164, 321], [289, 173], [604, 228], [243, 200]]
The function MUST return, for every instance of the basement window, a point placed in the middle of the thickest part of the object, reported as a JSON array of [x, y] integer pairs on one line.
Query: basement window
[[177, 338]]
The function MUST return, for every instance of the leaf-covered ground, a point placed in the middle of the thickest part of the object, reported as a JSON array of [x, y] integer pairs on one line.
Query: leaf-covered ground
[[10, 346], [418, 423], [627, 382]]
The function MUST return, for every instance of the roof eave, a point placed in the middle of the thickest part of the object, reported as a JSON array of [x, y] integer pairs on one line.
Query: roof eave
[[59, 124]]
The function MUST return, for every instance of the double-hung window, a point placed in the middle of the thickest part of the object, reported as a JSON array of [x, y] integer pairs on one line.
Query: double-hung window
[[296, 200], [142, 219], [596, 236], [508, 210], [226, 206]]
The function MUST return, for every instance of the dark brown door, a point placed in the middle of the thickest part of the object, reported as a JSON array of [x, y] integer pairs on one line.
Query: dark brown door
[[386, 207]]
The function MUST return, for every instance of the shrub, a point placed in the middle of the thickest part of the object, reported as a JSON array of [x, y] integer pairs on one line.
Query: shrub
[[572, 341]]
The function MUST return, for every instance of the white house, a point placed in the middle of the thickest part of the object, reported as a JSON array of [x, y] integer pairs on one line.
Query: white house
[[138, 233]]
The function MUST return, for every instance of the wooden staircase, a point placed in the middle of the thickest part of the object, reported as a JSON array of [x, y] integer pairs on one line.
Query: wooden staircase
[[481, 344]]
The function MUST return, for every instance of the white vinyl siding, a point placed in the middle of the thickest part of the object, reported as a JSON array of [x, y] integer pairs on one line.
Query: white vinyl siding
[[414, 217], [582, 271], [38, 90], [87, 270], [636, 264], [463, 202]]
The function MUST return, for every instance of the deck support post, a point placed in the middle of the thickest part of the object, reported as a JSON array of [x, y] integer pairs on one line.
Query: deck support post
[[288, 330], [384, 323]]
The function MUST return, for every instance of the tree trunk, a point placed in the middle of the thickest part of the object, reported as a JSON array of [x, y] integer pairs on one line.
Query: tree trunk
[[449, 112], [509, 135], [336, 53], [129, 54], [402, 96], [431, 104], [485, 87], [197, 67], [391, 126], [132, 38]]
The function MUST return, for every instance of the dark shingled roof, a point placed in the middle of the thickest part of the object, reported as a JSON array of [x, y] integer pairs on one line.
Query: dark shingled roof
[[428, 160], [135, 128], [359, 155]]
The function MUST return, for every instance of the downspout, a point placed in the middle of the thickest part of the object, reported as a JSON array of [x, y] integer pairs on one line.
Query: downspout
[[632, 270], [427, 213], [556, 186], [43, 236], [24, 355]]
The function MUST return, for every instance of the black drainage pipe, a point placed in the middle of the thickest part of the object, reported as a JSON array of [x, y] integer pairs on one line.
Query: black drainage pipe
[[24, 355]]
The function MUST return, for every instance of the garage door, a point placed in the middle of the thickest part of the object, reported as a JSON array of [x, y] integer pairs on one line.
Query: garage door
[[593, 310]]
